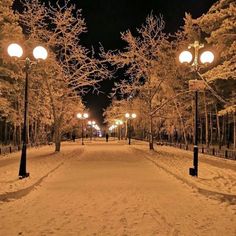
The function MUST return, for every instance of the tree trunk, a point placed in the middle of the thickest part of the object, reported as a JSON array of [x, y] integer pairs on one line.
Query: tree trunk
[[234, 130], [57, 137], [218, 128], [181, 123], [1, 131], [28, 131], [36, 132], [5, 133], [223, 131], [206, 121], [151, 147], [14, 135], [211, 129], [126, 129], [227, 132], [19, 135], [201, 131]]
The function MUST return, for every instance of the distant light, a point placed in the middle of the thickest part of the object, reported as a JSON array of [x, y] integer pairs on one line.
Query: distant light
[[185, 56], [40, 53], [85, 115], [15, 50], [127, 115], [207, 57], [79, 115], [133, 115]]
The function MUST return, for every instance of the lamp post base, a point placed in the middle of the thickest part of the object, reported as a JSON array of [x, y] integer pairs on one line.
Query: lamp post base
[[192, 172], [24, 176]]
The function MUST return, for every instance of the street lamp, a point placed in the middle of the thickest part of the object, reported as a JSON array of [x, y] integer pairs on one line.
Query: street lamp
[[130, 117], [82, 117], [39, 52], [112, 128], [119, 123], [91, 124], [195, 85], [97, 129]]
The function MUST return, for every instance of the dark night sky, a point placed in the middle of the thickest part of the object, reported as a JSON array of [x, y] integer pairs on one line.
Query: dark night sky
[[105, 20]]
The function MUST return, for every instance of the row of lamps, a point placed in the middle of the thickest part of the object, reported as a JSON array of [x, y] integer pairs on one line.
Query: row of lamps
[[40, 53]]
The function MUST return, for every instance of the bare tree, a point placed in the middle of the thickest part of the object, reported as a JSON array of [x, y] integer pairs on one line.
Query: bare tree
[[71, 69], [146, 61]]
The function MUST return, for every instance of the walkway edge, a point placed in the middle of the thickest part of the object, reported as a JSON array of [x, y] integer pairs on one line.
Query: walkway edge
[[223, 197], [9, 196]]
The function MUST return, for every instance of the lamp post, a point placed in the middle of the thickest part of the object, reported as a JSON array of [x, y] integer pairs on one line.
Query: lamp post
[[130, 117], [97, 129], [119, 123], [113, 127], [196, 85], [39, 52], [91, 124], [82, 117]]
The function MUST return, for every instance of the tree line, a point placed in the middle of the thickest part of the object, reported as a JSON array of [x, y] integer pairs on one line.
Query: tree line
[[56, 85], [154, 86]]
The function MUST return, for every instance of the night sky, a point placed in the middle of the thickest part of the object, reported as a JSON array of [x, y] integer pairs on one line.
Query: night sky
[[105, 20]]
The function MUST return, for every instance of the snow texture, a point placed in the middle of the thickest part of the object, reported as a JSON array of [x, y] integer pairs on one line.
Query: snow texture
[[116, 189]]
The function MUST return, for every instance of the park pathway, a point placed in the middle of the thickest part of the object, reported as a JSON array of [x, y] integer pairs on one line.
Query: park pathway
[[110, 189]]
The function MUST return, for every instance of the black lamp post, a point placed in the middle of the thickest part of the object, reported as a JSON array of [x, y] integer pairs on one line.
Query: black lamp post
[[39, 52], [91, 124], [22, 171], [82, 117], [129, 117], [119, 123], [196, 85]]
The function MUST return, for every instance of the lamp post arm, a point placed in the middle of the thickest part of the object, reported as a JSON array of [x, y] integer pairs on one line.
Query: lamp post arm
[[196, 45]]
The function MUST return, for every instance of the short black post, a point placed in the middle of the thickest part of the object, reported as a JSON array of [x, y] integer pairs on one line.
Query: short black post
[[82, 133], [129, 129]]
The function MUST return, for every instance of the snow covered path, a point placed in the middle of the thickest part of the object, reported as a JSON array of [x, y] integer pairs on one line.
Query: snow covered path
[[111, 189]]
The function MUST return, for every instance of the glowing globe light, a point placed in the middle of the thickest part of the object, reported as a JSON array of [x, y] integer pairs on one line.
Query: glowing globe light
[[79, 115], [133, 115], [40, 53], [185, 57], [15, 50], [127, 115], [85, 115], [207, 57]]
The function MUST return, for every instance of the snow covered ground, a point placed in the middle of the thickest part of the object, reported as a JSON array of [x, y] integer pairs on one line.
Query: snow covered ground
[[116, 189]]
